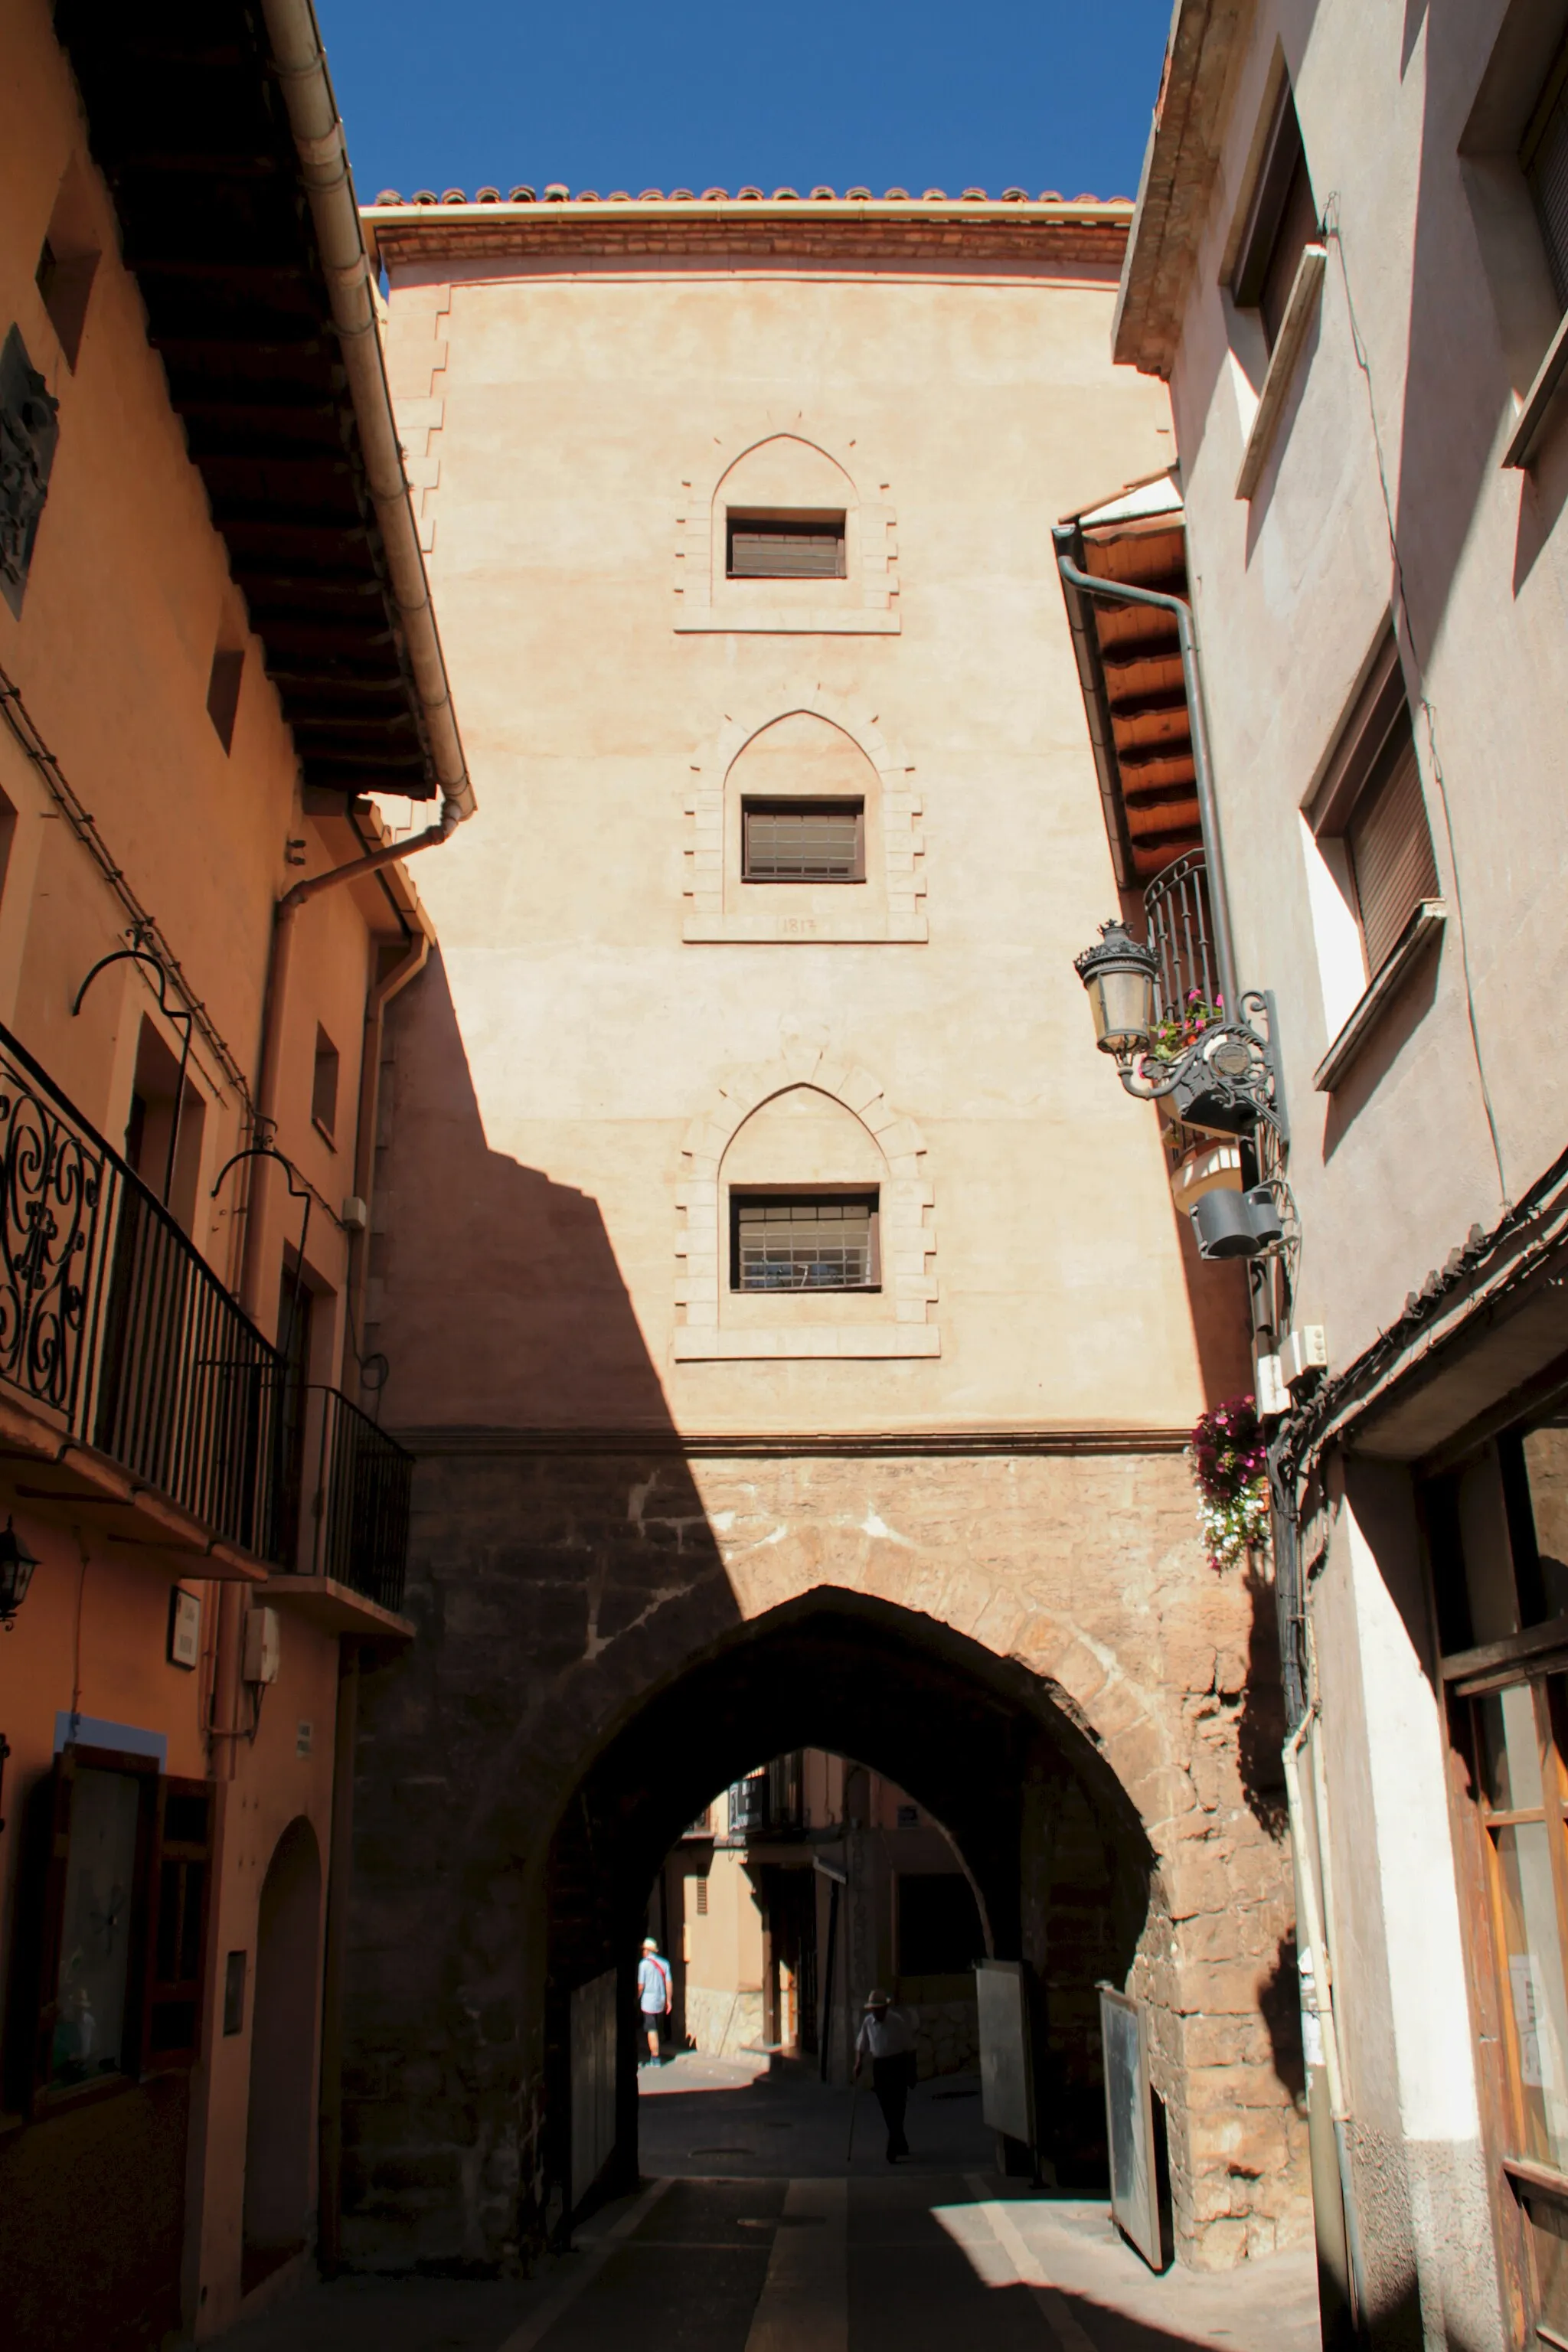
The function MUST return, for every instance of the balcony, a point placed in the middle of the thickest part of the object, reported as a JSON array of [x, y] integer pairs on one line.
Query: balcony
[[1177, 906], [769, 1804], [132, 1382]]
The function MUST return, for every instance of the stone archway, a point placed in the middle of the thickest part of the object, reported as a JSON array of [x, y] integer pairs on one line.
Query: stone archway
[[280, 2135], [575, 1597]]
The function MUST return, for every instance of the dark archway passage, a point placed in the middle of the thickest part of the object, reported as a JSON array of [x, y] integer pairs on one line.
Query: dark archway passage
[[1061, 1865], [280, 2135]]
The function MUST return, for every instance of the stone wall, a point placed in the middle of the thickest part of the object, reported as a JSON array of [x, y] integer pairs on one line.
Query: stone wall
[[722, 2024], [1030, 1643]]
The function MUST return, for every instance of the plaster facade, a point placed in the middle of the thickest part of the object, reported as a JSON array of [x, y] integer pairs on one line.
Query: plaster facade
[[150, 799], [1393, 474], [654, 1514]]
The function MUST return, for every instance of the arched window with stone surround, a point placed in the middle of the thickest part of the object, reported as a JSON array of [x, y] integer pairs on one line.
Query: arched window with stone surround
[[781, 537], [802, 826], [805, 1230]]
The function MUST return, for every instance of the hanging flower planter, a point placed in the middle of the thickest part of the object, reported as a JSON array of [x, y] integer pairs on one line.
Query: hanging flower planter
[[1229, 1465]]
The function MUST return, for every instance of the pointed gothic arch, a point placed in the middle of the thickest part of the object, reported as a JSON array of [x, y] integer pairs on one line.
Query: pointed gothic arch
[[865, 602], [909, 1239], [894, 911]]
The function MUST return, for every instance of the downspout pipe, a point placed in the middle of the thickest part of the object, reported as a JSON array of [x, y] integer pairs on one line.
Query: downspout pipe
[[285, 921], [1116, 591], [302, 65]]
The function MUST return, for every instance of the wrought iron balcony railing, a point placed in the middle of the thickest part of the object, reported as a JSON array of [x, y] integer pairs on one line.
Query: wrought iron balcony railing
[[1176, 904], [358, 1523], [116, 1327]]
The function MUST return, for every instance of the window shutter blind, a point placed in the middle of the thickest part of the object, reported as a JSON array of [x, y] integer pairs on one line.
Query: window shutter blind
[[762, 554], [1391, 849], [1544, 159], [180, 1892]]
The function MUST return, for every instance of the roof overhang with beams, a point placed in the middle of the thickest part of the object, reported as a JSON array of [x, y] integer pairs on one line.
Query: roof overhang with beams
[[1130, 668], [185, 117]]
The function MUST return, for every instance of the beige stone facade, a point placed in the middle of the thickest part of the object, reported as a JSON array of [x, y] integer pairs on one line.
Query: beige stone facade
[[667, 1527]]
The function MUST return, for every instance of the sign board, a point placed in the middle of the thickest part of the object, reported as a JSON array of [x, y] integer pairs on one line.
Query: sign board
[[1130, 2124], [1006, 2075], [593, 2081]]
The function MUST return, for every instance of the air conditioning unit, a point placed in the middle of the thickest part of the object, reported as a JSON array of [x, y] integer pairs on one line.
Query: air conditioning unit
[[263, 1647]]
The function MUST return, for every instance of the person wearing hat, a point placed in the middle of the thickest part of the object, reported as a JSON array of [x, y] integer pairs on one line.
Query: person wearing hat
[[887, 2037], [653, 1997]]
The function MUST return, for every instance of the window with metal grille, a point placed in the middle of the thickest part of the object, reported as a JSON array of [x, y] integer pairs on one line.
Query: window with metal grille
[[803, 841], [702, 1898], [1283, 222], [813, 1241], [1543, 159], [780, 545]]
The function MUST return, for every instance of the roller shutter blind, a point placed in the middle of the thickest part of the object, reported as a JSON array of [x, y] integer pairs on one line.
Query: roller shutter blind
[[1391, 846], [786, 547], [1543, 159]]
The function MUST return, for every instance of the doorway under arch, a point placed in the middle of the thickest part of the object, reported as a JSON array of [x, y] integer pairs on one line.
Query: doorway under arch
[[280, 2132], [1060, 1863]]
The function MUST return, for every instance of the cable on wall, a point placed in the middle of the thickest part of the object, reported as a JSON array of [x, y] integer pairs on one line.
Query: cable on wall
[[1334, 233]]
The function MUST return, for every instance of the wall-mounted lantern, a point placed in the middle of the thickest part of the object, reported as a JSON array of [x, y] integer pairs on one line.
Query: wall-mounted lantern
[[16, 1566], [1119, 974], [1217, 1066]]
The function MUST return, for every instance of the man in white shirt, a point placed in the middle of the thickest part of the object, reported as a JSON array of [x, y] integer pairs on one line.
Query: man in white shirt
[[653, 1996], [887, 2037]]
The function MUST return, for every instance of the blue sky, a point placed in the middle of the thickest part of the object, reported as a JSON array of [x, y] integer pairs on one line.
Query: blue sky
[[1056, 94]]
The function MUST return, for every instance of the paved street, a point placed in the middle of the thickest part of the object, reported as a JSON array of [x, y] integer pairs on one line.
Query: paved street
[[757, 2230]]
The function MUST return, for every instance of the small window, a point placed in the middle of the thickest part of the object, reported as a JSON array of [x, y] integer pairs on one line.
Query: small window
[[1543, 160], [68, 260], [222, 691], [117, 1969], [702, 1898], [1283, 222], [324, 1087], [1370, 805], [804, 1241], [803, 841], [785, 546]]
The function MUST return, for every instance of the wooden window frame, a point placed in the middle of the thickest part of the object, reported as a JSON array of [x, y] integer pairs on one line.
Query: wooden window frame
[[802, 521], [775, 806], [327, 1055], [809, 1195], [1357, 768], [170, 1921], [1284, 152], [1552, 95]]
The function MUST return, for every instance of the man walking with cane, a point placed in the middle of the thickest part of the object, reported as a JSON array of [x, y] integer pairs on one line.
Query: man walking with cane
[[887, 2036], [653, 1997]]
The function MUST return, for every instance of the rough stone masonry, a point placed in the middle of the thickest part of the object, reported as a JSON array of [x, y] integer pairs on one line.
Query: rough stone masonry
[[561, 1596]]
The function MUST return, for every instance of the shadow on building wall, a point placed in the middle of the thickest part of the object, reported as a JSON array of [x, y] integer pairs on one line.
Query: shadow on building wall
[[582, 1681]]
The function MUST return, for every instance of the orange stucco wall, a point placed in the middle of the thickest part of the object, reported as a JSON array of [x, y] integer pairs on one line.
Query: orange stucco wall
[[128, 592]]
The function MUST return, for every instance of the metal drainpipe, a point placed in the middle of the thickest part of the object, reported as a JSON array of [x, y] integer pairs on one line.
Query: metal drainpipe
[[1114, 592], [284, 921]]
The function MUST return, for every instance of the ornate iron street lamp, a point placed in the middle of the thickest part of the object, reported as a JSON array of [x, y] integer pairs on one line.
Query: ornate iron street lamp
[[16, 1566], [1224, 1074]]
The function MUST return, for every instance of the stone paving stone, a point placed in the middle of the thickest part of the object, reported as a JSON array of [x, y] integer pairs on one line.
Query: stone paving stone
[[925, 2263]]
